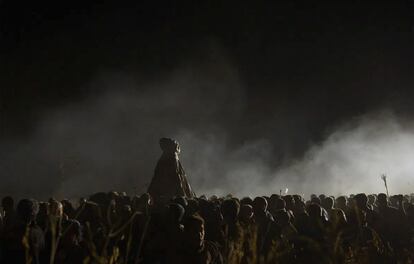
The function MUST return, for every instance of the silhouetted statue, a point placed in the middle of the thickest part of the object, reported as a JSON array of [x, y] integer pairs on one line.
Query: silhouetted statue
[[169, 177]]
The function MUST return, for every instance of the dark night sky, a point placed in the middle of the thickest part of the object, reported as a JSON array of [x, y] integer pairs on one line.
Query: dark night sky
[[317, 63], [332, 60]]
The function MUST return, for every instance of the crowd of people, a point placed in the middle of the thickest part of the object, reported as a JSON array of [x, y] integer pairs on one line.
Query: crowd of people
[[116, 228], [170, 224]]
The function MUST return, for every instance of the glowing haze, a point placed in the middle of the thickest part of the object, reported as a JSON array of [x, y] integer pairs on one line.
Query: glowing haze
[[109, 141], [350, 160]]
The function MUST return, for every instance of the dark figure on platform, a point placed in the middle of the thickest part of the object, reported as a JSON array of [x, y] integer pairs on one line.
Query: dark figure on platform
[[169, 178]]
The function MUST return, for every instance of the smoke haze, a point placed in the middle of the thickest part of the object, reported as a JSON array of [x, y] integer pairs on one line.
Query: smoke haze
[[109, 141]]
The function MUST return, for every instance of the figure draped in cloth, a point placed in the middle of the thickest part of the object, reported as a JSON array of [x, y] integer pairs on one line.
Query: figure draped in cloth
[[169, 177]]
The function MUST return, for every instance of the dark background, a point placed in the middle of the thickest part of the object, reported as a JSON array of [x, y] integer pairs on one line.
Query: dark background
[[307, 67]]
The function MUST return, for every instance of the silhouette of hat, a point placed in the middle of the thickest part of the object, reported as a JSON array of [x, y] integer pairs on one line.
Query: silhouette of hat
[[167, 143]]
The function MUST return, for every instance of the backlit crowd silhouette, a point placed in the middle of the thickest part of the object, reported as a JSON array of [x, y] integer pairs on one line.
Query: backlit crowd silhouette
[[171, 224]]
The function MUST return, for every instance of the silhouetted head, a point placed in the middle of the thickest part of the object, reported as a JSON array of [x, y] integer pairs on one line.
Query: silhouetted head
[[194, 232], [55, 208], [259, 205], [146, 199], [7, 203], [382, 199], [124, 212], [91, 213], [393, 200], [300, 207], [297, 198], [274, 197], [328, 203], [290, 202], [372, 198], [280, 204], [361, 200], [169, 146], [314, 211], [341, 202], [230, 210], [246, 200], [68, 208], [272, 201], [141, 203], [315, 200], [246, 213], [27, 210], [43, 209]]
